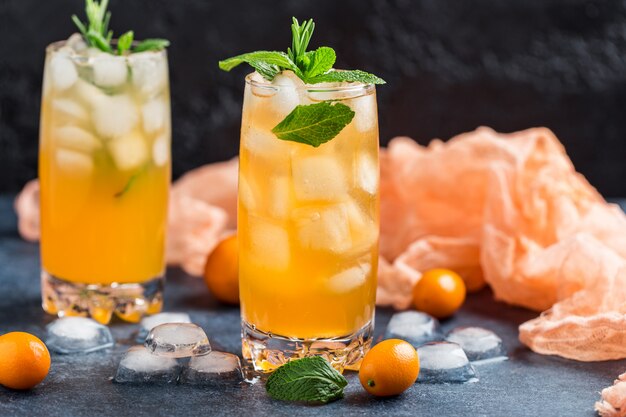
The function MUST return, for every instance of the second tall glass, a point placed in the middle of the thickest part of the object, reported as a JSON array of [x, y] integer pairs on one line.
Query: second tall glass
[[307, 227], [104, 169]]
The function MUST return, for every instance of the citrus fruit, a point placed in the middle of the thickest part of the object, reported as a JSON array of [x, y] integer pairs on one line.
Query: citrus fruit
[[389, 368], [24, 360], [440, 292], [221, 271]]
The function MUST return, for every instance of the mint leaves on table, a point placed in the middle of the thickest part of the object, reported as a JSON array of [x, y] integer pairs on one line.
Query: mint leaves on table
[[97, 34], [309, 379], [314, 124]]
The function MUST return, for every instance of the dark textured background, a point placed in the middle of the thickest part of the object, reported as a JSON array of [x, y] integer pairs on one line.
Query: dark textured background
[[450, 65]]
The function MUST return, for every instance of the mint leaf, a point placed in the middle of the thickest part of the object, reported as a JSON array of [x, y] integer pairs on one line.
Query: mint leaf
[[154, 44], [346, 76], [308, 379], [264, 59], [314, 124], [321, 60], [124, 42]]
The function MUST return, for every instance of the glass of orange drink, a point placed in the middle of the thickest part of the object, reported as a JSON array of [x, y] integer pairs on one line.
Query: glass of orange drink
[[104, 169], [307, 226]]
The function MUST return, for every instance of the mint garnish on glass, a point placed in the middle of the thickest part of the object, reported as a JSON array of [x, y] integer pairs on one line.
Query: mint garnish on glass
[[309, 379], [311, 124], [97, 34]]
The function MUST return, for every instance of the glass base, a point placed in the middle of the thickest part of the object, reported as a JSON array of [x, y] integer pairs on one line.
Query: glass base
[[129, 302], [264, 352]]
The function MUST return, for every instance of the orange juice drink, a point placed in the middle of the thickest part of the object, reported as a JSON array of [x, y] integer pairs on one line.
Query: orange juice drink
[[307, 226], [104, 168]]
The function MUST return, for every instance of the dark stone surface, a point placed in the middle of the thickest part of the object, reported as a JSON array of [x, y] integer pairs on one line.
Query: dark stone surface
[[451, 66], [526, 385]]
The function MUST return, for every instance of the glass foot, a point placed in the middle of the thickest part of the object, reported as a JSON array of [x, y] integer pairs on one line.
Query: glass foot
[[130, 302], [264, 352]]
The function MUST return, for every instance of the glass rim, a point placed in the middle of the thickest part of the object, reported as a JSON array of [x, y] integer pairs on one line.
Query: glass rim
[[56, 46], [347, 88]]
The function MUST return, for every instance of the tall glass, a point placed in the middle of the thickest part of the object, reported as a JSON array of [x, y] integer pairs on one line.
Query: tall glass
[[308, 229], [104, 169]]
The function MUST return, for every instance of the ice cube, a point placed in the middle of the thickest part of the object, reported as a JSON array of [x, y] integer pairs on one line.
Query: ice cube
[[89, 94], [77, 139], [266, 145], [69, 110], [443, 362], [269, 244], [114, 115], [365, 117], [138, 365], [288, 96], [260, 87], [154, 114], [323, 228], [109, 70], [149, 72], [78, 335], [178, 340], [77, 43], [150, 322], [279, 196], [363, 228], [479, 344], [350, 279], [366, 173], [74, 162], [318, 177], [215, 369], [128, 151], [414, 327], [245, 194], [63, 72], [161, 150]]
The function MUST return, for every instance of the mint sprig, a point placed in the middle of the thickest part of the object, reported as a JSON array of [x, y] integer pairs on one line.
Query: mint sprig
[[314, 124], [97, 34], [309, 379], [309, 66]]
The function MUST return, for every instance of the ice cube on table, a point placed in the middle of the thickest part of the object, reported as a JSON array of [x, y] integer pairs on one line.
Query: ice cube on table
[[318, 177], [154, 114], [444, 362], [161, 150], [128, 151], [74, 162], [366, 173], [70, 335], [479, 344], [149, 72], [414, 327], [109, 70], [76, 138], [323, 228], [178, 340], [69, 110], [139, 366], [288, 95], [269, 244], [114, 116], [365, 114], [63, 71], [215, 369], [150, 322], [350, 279]]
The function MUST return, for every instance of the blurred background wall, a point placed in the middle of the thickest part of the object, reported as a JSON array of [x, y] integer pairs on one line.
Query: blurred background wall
[[450, 66]]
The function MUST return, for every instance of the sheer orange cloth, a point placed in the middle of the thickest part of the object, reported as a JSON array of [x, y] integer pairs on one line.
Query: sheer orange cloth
[[507, 210]]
